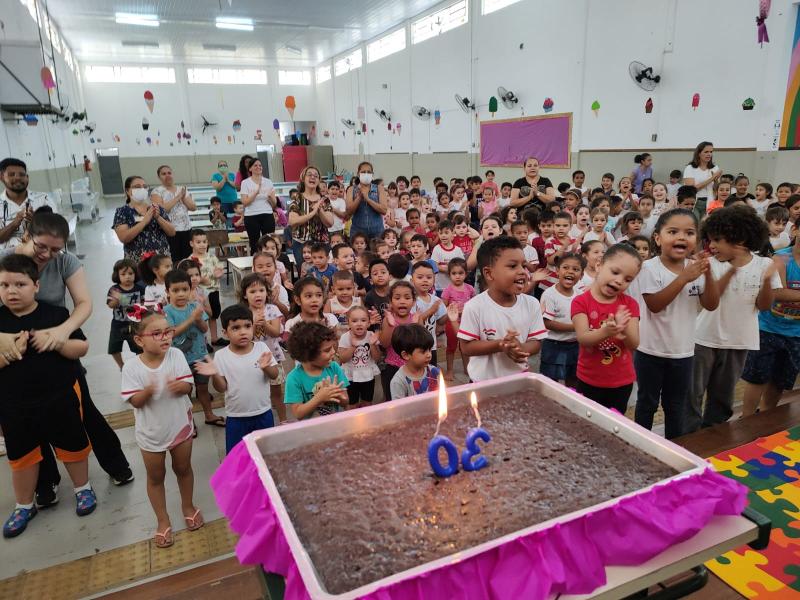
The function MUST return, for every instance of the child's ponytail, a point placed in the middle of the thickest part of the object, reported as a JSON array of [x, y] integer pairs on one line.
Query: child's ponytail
[[148, 265]]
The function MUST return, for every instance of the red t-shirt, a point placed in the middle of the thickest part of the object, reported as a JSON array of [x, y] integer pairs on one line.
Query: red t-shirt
[[433, 238], [610, 363], [464, 242]]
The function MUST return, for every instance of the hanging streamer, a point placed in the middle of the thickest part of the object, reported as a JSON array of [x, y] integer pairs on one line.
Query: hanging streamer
[[761, 21]]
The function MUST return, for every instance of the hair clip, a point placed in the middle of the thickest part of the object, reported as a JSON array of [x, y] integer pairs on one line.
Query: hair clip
[[148, 255], [137, 312]]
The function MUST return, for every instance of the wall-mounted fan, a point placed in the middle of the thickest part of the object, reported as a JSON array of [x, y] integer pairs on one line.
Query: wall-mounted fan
[[384, 115], [465, 103], [90, 127], [422, 113], [350, 124], [642, 76], [507, 97], [206, 122]]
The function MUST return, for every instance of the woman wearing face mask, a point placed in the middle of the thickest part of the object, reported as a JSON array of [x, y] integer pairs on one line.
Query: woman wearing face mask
[[223, 182], [367, 202], [177, 201], [310, 215], [139, 225]]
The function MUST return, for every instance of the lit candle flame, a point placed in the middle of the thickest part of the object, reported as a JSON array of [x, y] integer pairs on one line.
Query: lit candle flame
[[442, 403], [473, 400]]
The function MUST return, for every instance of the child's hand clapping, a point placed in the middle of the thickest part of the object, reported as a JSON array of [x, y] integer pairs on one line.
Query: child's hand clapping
[[331, 391], [512, 348], [695, 268], [197, 314], [176, 387], [206, 367], [453, 312], [265, 360], [113, 299], [374, 317]]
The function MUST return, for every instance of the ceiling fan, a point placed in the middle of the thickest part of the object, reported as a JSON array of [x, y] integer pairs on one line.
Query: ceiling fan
[[465, 103], [643, 76], [507, 97], [422, 113]]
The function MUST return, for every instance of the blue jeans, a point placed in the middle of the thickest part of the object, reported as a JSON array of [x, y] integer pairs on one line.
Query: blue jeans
[[238, 427], [664, 380]]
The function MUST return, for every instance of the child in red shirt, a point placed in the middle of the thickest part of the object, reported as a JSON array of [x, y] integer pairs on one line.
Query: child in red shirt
[[556, 246], [607, 327]]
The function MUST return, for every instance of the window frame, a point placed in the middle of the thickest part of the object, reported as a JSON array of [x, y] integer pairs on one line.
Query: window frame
[[422, 29], [93, 72], [377, 50], [225, 76]]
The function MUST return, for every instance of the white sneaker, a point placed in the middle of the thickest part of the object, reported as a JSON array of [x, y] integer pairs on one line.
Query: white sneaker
[[2, 446]]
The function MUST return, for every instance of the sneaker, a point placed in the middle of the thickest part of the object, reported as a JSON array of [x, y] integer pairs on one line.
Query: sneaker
[[87, 502], [123, 477], [47, 498], [18, 521]]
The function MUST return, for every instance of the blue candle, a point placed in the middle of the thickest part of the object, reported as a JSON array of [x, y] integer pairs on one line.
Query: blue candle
[[440, 441], [472, 449]]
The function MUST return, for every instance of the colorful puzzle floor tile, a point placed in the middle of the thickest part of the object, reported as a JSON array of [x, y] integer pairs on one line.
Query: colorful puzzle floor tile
[[770, 467]]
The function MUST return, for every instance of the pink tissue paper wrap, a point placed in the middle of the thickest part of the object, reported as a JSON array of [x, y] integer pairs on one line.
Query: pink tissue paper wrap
[[567, 558]]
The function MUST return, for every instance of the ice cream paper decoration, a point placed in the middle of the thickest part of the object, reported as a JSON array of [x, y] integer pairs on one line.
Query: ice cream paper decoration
[[595, 107], [361, 113], [237, 126], [695, 101], [149, 101], [290, 105], [648, 106], [47, 79], [437, 116], [117, 138], [31, 120], [149, 140], [258, 136], [145, 124], [492, 105], [761, 21], [748, 104], [397, 128], [276, 125], [547, 105]]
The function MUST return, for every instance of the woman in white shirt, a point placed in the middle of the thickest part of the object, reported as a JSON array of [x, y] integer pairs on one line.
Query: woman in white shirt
[[259, 199], [177, 201], [702, 173]]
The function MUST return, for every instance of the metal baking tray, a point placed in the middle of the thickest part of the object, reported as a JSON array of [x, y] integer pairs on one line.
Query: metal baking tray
[[295, 435]]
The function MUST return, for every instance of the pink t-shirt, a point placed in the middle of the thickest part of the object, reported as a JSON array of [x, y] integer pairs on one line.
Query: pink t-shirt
[[460, 297], [608, 364], [392, 357]]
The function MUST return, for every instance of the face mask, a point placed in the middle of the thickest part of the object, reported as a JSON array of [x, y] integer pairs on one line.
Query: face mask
[[222, 169], [139, 194], [365, 178]]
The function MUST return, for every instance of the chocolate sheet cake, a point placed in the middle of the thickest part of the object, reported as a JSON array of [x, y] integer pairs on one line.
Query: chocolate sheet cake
[[367, 506]]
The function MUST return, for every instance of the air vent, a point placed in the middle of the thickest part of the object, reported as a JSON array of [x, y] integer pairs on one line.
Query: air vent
[[132, 44], [222, 47]]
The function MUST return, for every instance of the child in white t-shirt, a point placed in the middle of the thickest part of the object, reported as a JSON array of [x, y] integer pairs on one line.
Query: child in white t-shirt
[[501, 327], [157, 384], [776, 218], [443, 253], [559, 359], [242, 370], [674, 288], [358, 352], [342, 298]]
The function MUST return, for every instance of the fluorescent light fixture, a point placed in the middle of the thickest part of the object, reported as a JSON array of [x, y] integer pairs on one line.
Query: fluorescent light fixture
[[136, 19], [220, 47], [234, 23], [293, 50], [133, 44]]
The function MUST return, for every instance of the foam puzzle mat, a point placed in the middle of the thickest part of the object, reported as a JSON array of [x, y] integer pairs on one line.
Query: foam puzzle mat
[[770, 467]]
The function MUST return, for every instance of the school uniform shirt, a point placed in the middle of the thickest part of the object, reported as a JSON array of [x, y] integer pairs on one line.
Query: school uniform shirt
[[531, 256], [300, 387], [609, 364], [324, 276], [484, 319], [404, 385], [248, 386], [669, 333], [340, 205], [260, 205], [361, 367], [155, 294], [550, 248], [558, 307], [191, 342], [442, 256], [330, 320], [126, 298], [271, 312], [165, 420], [9, 210], [760, 206], [734, 325], [591, 236], [575, 232], [464, 242], [780, 241], [430, 323]]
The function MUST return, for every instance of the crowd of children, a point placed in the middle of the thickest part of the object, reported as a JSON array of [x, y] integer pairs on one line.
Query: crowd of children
[[607, 288]]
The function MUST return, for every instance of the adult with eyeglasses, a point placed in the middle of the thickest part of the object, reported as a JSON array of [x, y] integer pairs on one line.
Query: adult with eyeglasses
[[177, 201], [224, 184], [140, 225], [310, 214], [17, 203], [60, 273], [366, 202]]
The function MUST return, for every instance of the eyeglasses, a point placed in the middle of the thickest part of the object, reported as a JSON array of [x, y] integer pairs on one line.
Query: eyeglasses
[[160, 334], [42, 248]]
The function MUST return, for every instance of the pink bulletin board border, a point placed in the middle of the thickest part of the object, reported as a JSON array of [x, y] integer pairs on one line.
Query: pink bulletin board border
[[517, 163]]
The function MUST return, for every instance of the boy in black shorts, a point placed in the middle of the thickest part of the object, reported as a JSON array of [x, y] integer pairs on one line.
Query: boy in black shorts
[[41, 395]]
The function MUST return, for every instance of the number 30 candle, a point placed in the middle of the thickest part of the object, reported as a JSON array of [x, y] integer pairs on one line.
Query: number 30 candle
[[441, 441], [473, 435]]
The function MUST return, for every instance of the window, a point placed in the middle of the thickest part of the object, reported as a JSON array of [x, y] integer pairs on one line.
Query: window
[[31, 6], [323, 74], [349, 63], [228, 76], [436, 23], [294, 77], [103, 74], [489, 6], [388, 44]]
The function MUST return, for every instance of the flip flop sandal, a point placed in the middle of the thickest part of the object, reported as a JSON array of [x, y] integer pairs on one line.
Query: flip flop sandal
[[218, 422], [194, 522], [164, 538]]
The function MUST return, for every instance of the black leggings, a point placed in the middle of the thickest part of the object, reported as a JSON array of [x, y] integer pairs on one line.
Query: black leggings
[[616, 397], [105, 443], [361, 391], [256, 226], [179, 246], [388, 372]]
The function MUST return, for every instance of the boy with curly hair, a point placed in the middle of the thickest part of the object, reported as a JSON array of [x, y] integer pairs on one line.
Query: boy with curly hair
[[317, 385]]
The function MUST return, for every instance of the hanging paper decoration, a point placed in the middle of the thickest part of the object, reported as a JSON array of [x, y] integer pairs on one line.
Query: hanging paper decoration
[[761, 21], [75, 132], [145, 124], [397, 128], [258, 137], [596, 108], [748, 104], [158, 133], [361, 113], [157, 141], [215, 140], [149, 101], [648, 106], [31, 120], [47, 79], [437, 116], [547, 105], [180, 137], [326, 134], [91, 140], [363, 127], [138, 142], [117, 138], [290, 105], [695, 101], [172, 144], [187, 136], [230, 139], [149, 140], [237, 126], [313, 131], [492, 105], [389, 125]]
